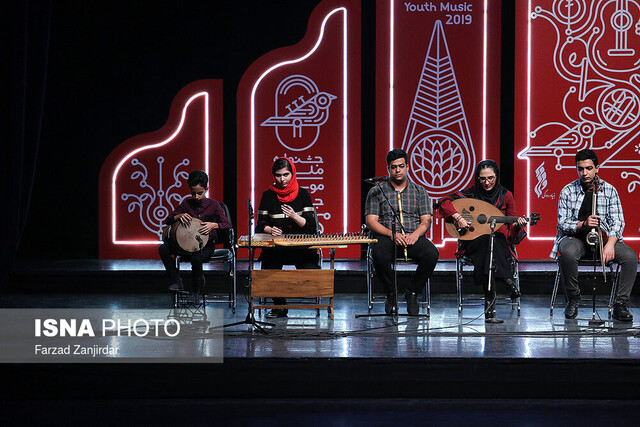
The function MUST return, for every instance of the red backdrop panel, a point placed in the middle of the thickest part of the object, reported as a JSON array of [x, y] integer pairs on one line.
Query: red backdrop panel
[[144, 178], [438, 91], [304, 102], [577, 87]]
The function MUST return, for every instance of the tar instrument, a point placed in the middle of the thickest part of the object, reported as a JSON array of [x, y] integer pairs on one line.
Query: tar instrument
[[262, 240], [479, 215], [185, 239], [595, 236]]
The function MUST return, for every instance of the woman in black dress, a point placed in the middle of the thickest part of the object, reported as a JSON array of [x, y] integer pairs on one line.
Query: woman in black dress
[[286, 208], [487, 188]]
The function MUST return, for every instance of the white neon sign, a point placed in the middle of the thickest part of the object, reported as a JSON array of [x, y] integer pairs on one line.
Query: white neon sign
[[114, 222], [484, 84], [344, 110]]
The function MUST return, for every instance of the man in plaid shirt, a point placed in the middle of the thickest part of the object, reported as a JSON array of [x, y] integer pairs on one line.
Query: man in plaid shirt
[[575, 220], [416, 216]]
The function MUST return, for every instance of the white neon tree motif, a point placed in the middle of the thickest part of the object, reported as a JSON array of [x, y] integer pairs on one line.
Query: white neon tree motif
[[154, 204], [437, 136]]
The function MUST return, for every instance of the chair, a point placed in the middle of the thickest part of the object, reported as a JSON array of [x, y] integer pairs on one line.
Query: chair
[[225, 256], [588, 262], [377, 299], [461, 261]]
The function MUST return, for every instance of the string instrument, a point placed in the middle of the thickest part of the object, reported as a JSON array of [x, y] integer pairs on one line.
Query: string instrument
[[185, 239], [596, 237], [479, 215], [263, 240]]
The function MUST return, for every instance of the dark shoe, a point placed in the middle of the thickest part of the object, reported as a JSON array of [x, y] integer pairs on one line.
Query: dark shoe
[[621, 313], [277, 312], [490, 313], [412, 302], [514, 292], [572, 308], [176, 287], [390, 303]]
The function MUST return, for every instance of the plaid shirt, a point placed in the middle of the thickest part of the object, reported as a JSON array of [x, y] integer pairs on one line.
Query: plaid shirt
[[415, 203], [609, 209]]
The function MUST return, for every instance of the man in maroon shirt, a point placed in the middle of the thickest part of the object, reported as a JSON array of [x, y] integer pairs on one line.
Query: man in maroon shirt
[[198, 208]]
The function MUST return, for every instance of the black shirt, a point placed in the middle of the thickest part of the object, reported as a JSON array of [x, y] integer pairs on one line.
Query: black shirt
[[270, 213]]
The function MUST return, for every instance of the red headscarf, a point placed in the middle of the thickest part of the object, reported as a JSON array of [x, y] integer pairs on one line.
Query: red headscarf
[[290, 192]]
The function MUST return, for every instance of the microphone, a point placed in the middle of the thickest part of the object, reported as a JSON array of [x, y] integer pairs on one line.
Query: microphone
[[250, 209], [376, 179], [199, 239]]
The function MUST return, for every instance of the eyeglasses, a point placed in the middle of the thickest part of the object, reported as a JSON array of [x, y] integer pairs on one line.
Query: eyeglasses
[[487, 178]]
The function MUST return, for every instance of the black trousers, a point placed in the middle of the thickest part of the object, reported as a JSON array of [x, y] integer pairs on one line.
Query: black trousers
[[572, 249], [423, 252], [275, 259], [167, 255], [479, 251]]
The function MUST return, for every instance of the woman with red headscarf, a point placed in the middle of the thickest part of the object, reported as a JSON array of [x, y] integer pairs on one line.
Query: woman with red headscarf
[[286, 208]]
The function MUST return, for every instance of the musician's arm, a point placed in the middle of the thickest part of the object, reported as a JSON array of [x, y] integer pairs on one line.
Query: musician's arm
[[178, 213], [424, 206], [223, 221], [567, 222], [263, 223], [517, 231], [374, 225], [425, 224], [613, 223], [308, 220]]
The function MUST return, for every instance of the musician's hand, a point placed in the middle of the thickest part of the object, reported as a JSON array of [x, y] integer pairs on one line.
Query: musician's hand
[[592, 221], [207, 227], [522, 222], [609, 252], [411, 239], [462, 223], [184, 218], [274, 231], [288, 211], [401, 240]]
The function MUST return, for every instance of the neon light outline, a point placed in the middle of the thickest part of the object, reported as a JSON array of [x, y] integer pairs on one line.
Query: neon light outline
[[344, 118], [484, 86], [531, 229], [146, 147]]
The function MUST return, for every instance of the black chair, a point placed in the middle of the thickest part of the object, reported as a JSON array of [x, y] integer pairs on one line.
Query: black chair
[[378, 299], [225, 256], [614, 271], [461, 262]]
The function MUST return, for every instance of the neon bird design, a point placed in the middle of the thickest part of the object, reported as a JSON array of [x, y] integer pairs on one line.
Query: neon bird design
[[304, 107]]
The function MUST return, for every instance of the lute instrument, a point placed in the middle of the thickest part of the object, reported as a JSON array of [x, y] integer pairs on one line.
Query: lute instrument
[[479, 215]]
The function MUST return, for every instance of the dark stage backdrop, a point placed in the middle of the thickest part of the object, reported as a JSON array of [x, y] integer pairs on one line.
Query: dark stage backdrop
[[114, 68]]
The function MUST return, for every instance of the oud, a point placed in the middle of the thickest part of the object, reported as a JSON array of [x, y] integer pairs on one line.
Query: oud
[[480, 215]]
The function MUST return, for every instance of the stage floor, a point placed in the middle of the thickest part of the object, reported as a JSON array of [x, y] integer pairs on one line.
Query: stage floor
[[304, 334]]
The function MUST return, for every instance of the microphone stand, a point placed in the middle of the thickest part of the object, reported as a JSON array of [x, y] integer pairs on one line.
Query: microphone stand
[[492, 280], [250, 319], [394, 310], [597, 232]]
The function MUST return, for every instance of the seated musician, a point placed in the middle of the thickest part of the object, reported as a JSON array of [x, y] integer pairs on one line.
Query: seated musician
[[286, 208], [197, 208], [575, 220], [413, 200], [487, 188]]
